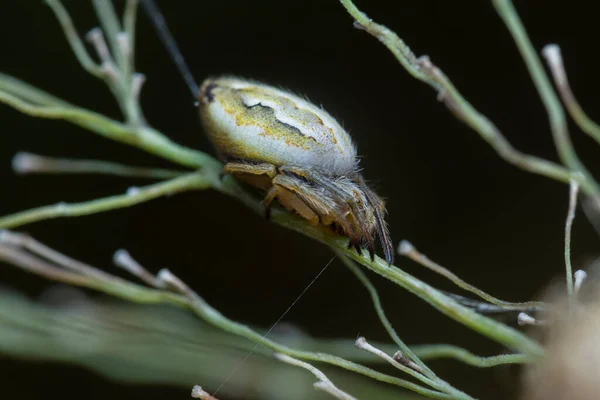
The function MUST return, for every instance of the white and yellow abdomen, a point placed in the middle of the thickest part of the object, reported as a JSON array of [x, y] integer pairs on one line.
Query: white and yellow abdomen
[[251, 121]]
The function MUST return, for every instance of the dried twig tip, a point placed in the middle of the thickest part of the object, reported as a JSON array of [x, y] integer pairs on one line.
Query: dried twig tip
[[96, 38], [405, 247], [580, 277], [361, 343], [123, 41], [123, 259], [198, 393], [7, 237], [24, 163], [136, 84], [526, 319]]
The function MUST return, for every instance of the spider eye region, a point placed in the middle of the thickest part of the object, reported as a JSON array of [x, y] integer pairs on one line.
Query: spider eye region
[[299, 154]]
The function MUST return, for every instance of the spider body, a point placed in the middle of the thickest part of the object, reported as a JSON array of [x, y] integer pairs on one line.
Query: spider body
[[296, 152]]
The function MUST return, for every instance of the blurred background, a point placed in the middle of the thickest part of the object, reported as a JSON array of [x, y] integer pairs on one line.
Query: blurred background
[[447, 191]]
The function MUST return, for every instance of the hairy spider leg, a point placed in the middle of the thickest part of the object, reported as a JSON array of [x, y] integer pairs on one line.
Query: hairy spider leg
[[348, 193], [257, 175], [309, 202]]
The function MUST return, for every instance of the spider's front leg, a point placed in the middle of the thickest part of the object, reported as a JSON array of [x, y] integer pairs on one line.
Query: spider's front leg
[[311, 202], [344, 191], [258, 175]]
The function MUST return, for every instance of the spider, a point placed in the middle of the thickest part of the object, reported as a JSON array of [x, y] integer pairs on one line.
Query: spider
[[297, 153]]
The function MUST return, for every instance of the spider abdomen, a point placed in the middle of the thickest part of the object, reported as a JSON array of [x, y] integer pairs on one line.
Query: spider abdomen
[[251, 121]]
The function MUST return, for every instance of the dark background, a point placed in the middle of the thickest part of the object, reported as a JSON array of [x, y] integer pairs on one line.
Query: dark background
[[448, 192]]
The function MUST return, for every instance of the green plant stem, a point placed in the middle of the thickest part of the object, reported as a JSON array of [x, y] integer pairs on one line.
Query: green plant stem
[[448, 306], [408, 250], [437, 351], [73, 38], [112, 27], [554, 59], [139, 294], [192, 181], [323, 382], [143, 137], [568, 226], [362, 277], [424, 70], [556, 115], [488, 327], [28, 163]]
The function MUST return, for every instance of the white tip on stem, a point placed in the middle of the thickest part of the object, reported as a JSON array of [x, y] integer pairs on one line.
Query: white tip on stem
[[526, 319], [198, 393], [133, 191], [405, 247], [96, 38], [136, 84], [552, 54], [25, 163], [7, 237], [580, 277], [123, 41], [167, 278], [361, 343], [123, 259]]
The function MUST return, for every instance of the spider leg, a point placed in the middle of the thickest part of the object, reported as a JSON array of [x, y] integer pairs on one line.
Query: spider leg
[[347, 194], [257, 175], [313, 204], [378, 205]]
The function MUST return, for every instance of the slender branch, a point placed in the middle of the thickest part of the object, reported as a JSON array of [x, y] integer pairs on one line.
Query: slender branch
[[112, 27], [408, 250], [443, 303], [556, 115], [366, 282], [27, 163], [554, 60], [129, 21], [193, 181], [145, 138], [362, 344], [73, 38], [323, 382], [580, 277], [574, 189], [186, 298], [436, 351], [448, 306], [423, 69], [199, 393]]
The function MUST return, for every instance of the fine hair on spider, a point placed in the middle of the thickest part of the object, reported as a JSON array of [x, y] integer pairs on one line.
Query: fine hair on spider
[[286, 146]]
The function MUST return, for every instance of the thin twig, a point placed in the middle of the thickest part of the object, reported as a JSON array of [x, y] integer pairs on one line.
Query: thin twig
[[573, 190], [556, 115], [30, 244], [417, 373], [27, 163], [366, 282], [185, 297], [435, 351], [580, 277], [199, 393], [193, 181], [423, 69], [323, 383], [73, 38], [408, 250], [554, 60]]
